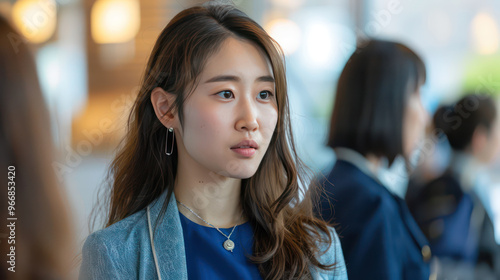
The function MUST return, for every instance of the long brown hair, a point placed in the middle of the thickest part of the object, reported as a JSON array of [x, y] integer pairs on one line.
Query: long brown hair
[[43, 233], [286, 232]]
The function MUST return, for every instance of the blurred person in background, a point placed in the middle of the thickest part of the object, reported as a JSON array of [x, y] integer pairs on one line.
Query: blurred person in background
[[453, 209], [377, 116], [42, 235], [206, 182]]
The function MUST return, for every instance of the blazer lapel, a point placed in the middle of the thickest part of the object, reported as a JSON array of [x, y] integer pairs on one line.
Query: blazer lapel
[[168, 239], [412, 225]]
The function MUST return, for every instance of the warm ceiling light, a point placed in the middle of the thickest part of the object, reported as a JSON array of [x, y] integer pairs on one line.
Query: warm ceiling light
[[286, 33], [35, 19], [485, 34], [115, 21]]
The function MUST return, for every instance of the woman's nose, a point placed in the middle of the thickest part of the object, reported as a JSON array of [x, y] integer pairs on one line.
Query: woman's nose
[[247, 115]]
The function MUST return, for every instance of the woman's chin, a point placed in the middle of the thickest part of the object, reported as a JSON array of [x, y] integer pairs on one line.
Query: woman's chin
[[240, 175]]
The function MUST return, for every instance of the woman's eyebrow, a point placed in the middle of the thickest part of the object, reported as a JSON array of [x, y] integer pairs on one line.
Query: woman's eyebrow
[[225, 78], [265, 79]]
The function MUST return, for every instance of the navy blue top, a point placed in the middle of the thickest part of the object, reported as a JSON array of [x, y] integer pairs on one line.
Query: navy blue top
[[207, 259], [379, 237]]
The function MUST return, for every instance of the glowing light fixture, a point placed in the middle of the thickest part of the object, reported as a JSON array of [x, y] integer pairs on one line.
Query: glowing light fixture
[[115, 21], [286, 33], [485, 34], [35, 19], [326, 44]]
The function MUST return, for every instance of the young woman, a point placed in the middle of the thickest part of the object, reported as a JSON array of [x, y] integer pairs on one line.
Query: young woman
[[377, 116], [452, 209], [206, 185]]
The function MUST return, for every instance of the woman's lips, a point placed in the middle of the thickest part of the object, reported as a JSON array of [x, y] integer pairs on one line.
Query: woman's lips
[[246, 152]]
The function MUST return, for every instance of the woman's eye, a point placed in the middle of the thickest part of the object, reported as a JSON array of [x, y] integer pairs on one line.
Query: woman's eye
[[225, 94], [265, 94]]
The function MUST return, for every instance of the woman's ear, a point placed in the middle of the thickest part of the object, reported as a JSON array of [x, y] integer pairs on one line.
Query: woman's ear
[[162, 101]]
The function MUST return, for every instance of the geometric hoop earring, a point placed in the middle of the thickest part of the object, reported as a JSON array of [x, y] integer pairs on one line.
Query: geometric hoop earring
[[166, 142]]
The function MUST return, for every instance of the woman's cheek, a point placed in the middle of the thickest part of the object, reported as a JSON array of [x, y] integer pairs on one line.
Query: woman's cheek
[[210, 116], [270, 120]]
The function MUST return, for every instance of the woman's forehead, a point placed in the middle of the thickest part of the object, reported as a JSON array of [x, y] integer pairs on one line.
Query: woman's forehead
[[240, 58]]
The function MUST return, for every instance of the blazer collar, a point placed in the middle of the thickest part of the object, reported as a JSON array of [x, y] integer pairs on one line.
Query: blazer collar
[[358, 160], [168, 239]]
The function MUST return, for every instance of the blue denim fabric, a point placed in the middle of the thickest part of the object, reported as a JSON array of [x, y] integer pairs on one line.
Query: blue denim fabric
[[123, 250]]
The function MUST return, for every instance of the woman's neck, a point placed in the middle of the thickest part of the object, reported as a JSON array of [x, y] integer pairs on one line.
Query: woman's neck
[[213, 197], [375, 163]]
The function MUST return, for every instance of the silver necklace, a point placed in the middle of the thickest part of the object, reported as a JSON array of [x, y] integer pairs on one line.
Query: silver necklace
[[228, 244]]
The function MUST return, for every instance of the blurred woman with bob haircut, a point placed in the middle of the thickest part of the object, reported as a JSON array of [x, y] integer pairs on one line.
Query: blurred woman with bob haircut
[[377, 116]]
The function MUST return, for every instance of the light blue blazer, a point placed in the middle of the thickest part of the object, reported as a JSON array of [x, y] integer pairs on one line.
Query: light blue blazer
[[124, 250]]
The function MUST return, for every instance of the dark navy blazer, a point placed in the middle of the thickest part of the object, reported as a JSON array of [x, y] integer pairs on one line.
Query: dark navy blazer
[[379, 237]]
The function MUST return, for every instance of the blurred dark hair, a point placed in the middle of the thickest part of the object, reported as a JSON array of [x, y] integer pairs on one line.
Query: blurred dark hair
[[372, 93], [44, 237], [459, 121]]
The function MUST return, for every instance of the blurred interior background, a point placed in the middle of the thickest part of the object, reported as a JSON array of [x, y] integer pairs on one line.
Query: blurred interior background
[[90, 56]]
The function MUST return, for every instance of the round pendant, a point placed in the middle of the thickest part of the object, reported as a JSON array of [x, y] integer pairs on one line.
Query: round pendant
[[229, 245]]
